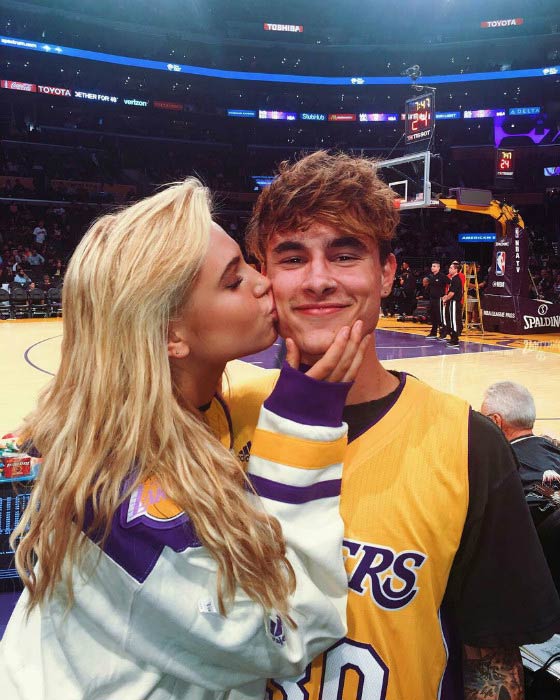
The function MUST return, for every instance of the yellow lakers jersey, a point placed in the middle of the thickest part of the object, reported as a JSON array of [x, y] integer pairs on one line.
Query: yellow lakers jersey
[[234, 415], [404, 503]]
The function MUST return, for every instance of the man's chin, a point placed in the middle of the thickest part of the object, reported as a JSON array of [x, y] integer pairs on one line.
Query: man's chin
[[311, 350]]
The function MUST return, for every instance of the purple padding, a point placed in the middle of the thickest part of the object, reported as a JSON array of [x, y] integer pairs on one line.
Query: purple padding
[[308, 401], [7, 604], [294, 494], [136, 546]]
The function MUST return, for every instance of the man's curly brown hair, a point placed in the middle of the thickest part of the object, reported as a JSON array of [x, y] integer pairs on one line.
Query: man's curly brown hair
[[337, 190]]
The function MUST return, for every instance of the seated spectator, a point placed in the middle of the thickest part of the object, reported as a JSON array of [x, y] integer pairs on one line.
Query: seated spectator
[[6, 276], [35, 259], [46, 283], [557, 287], [57, 271], [545, 287], [21, 278], [424, 292], [512, 408]]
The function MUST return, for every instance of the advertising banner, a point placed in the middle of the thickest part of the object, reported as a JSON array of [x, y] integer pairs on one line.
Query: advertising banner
[[509, 273], [271, 27], [492, 23], [342, 117], [506, 306], [15, 85], [173, 106], [54, 91]]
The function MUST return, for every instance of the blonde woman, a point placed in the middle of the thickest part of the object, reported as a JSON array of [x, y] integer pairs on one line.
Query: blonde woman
[[152, 569]]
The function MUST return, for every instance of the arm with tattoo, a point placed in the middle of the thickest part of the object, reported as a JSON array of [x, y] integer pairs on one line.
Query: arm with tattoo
[[493, 674]]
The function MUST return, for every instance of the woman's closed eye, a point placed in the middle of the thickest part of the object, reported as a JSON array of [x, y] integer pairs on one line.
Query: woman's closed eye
[[235, 283]]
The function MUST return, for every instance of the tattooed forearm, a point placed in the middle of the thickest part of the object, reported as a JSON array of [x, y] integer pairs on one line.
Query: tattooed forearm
[[493, 674]]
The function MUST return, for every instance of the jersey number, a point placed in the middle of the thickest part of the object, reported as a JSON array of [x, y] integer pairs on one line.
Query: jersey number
[[338, 660]]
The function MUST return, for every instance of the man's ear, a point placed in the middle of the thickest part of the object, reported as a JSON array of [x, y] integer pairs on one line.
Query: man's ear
[[497, 419], [177, 345], [388, 271]]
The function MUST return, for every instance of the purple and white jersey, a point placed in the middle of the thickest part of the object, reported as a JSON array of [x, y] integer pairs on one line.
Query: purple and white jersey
[[145, 621]]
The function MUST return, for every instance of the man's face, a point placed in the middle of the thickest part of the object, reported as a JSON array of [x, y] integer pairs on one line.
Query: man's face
[[435, 268], [452, 271], [324, 279]]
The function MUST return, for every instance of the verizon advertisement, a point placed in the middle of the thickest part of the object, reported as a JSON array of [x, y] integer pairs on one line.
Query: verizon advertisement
[[492, 23], [14, 85], [271, 27], [506, 306]]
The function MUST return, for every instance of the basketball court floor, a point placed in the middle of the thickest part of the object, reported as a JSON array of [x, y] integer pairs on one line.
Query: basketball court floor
[[30, 354]]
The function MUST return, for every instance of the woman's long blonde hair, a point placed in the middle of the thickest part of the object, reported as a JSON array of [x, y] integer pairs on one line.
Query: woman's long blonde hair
[[111, 414]]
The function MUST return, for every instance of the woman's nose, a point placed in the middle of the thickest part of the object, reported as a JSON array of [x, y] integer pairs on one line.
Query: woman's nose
[[262, 285]]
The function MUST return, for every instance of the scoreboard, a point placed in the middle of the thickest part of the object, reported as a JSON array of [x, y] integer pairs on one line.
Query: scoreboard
[[419, 118], [505, 163]]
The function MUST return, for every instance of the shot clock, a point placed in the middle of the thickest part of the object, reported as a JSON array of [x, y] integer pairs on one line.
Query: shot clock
[[505, 163], [419, 118]]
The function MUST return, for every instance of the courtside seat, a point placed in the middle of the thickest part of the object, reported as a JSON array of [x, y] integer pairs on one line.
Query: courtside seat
[[19, 303], [5, 311], [38, 303], [54, 299]]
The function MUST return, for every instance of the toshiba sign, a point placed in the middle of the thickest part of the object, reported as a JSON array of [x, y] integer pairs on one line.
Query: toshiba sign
[[55, 91], [283, 27], [13, 85], [502, 23]]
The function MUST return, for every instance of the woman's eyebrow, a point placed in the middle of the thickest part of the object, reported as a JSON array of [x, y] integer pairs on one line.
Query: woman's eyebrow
[[232, 265]]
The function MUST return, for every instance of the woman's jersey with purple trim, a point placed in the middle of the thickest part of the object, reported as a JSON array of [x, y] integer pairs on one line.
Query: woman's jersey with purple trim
[[145, 621]]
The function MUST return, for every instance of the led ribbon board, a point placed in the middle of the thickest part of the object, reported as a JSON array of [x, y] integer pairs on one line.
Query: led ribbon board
[[41, 47]]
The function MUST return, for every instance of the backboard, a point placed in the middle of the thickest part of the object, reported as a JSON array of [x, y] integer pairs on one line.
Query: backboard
[[409, 177]]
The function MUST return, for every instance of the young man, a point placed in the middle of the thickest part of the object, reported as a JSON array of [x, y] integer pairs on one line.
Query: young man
[[437, 282], [442, 557], [453, 307]]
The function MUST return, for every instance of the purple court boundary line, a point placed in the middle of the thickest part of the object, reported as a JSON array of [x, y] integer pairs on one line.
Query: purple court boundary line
[[26, 354]]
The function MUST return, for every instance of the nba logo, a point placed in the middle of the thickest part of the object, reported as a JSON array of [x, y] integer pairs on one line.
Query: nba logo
[[500, 263]]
